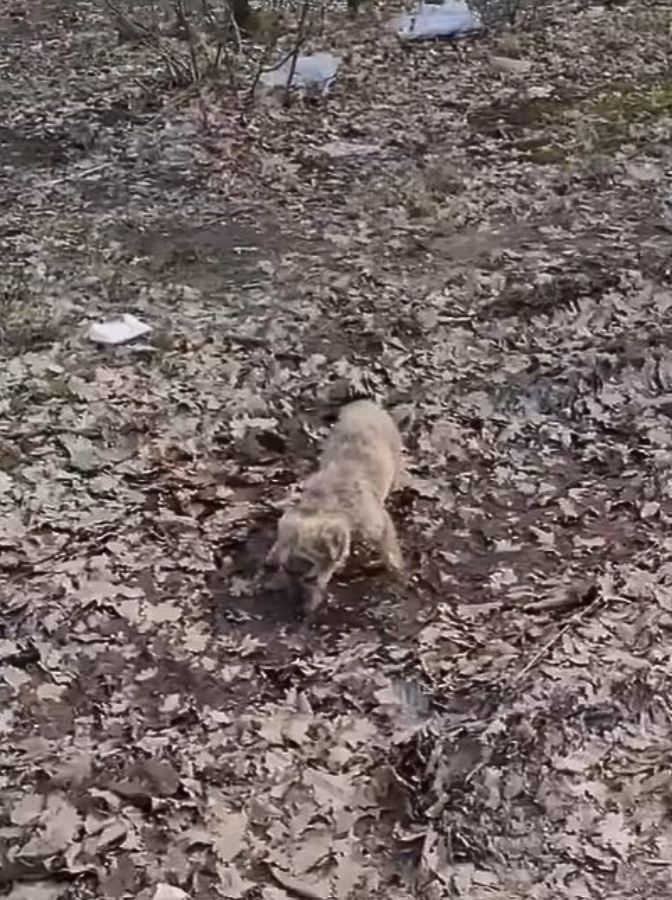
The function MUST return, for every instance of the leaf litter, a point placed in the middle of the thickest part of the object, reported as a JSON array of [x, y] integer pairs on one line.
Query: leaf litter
[[475, 231]]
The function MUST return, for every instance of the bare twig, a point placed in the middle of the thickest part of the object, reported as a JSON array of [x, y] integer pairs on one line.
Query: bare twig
[[261, 68], [222, 47], [280, 63], [581, 595], [300, 39], [183, 22], [544, 649], [553, 604], [514, 9], [132, 30], [236, 29], [128, 28], [193, 55]]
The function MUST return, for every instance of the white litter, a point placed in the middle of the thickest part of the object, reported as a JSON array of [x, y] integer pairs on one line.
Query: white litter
[[450, 19], [316, 71], [118, 331]]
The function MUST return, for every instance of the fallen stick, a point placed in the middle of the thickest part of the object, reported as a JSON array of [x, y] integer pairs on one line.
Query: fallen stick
[[573, 620]]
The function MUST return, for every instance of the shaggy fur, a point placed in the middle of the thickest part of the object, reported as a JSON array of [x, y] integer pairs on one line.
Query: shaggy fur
[[343, 501]]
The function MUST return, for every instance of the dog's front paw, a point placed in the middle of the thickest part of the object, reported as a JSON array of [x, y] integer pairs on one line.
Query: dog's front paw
[[393, 559], [313, 598]]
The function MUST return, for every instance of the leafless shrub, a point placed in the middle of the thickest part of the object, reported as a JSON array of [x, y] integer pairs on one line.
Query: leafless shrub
[[200, 40], [498, 12]]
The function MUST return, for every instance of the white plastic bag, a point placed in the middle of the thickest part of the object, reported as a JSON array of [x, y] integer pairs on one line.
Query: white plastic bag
[[450, 19], [315, 71]]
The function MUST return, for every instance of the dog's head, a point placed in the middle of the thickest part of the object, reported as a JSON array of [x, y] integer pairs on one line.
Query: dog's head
[[309, 549]]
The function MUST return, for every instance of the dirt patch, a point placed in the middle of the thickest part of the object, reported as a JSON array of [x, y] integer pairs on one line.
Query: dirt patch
[[20, 21], [500, 118], [473, 245], [612, 114], [21, 149], [209, 257], [556, 293]]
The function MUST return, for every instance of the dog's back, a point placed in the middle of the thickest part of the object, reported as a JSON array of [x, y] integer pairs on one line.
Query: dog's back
[[365, 440]]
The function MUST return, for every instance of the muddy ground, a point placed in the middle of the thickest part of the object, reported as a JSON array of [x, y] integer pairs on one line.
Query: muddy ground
[[491, 247]]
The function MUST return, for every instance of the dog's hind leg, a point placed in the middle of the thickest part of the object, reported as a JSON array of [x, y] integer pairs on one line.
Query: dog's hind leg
[[390, 550]]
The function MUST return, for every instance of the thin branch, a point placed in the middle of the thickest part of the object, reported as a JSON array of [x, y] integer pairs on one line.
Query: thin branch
[[183, 23], [266, 55], [128, 28], [300, 39], [263, 68], [132, 30], [573, 620], [280, 63], [236, 29], [193, 54]]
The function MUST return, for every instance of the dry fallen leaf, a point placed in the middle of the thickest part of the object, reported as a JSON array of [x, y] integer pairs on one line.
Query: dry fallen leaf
[[308, 889], [510, 66], [231, 884], [28, 809], [84, 456], [227, 831], [59, 823], [43, 890], [169, 892]]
